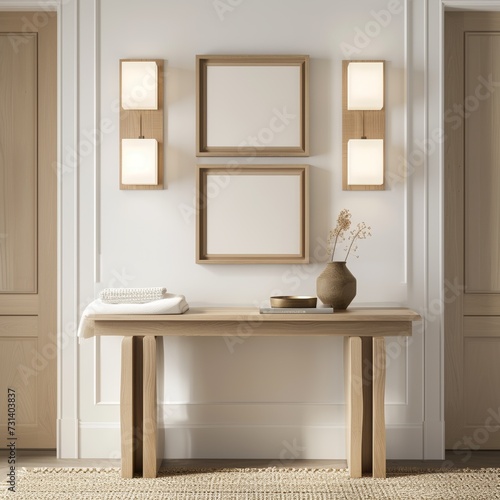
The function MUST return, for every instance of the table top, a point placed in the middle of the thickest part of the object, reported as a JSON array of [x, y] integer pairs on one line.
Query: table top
[[208, 314], [248, 321]]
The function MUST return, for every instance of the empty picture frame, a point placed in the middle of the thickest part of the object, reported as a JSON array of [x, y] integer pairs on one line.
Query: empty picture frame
[[252, 105], [252, 214]]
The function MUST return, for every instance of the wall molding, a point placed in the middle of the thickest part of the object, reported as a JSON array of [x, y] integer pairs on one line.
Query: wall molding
[[412, 391]]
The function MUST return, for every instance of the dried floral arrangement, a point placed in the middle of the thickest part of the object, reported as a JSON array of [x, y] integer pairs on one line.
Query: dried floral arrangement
[[338, 234]]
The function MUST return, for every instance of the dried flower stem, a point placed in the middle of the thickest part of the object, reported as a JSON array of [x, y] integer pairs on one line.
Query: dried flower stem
[[361, 233], [338, 234]]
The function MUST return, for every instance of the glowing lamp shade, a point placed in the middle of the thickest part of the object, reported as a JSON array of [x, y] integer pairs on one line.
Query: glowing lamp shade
[[140, 162], [365, 162], [365, 86], [139, 85]]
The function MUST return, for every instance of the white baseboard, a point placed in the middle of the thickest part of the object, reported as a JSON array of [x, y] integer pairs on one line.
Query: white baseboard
[[98, 440]]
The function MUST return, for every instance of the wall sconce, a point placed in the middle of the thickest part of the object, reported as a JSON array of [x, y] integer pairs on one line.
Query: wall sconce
[[141, 124], [363, 125]]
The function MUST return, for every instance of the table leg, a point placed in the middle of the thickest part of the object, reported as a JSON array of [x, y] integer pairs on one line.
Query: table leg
[[131, 406], [379, 439], [149, 405], [354, 393], [127, 407]]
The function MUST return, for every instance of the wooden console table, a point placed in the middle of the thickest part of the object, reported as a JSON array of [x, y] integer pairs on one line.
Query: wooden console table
[[364, 359]]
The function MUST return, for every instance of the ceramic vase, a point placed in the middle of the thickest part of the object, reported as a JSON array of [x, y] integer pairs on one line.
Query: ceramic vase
[[336, 286]]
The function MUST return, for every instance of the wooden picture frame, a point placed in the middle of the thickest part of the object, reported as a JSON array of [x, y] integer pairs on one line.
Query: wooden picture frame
[[252, 105], [252, 214]]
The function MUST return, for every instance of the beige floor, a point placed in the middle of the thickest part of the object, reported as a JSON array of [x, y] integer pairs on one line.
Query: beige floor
[[29, 458]]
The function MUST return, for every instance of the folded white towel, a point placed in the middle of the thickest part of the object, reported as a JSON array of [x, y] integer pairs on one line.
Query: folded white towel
[[132, 295], [172, 304]]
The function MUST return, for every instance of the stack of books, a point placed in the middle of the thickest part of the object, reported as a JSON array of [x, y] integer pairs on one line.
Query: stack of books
[[267, 309]]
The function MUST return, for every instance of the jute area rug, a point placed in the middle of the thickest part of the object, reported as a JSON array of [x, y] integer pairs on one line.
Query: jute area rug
[[255, 484]]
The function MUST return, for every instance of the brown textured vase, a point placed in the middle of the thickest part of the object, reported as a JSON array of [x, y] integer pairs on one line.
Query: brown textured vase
[[336, 286]]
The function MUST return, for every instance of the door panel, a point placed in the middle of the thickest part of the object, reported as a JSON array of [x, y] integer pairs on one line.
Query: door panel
[[18, 164], [28, 225], [17, 358], [481, 304], [482, 160], [472, 229]]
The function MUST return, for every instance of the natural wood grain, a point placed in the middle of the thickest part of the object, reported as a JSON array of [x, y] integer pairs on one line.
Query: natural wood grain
[[481, 304], [482, 157], [361, 359], [481, 385], [150, 460], [47, 231], [38, 214], [203, 199], [19, 304], [379, 442], [232, 321], [152, 127], [138, 404], [367, 440], [482, 326], [472, 218], [17, 358], [234, 328], [202, 61], [354, 387], [126, 407], [453, 226], [18, 326], [252, 314], [352, 128], [18, 144]]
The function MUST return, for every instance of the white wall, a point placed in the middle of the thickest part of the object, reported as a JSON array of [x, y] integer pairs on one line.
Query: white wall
[[259, 397]]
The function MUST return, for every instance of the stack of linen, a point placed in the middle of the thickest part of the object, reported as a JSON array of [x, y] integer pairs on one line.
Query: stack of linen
[[154, 300]]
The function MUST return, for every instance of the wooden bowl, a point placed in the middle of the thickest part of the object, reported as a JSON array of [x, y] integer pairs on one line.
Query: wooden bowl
[[293, 301]]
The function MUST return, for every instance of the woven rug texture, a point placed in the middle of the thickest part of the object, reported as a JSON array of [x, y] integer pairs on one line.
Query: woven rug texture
[[255, 484]]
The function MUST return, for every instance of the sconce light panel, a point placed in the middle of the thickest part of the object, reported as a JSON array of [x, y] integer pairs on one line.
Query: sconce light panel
[[140, 162], [139, 89], [365, 86], [141, 124], [365, 162], [363, 126]]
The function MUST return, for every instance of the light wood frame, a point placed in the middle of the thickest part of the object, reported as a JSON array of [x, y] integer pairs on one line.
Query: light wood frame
[[152, 126], [204, 199], [352, 128], [203, 62]]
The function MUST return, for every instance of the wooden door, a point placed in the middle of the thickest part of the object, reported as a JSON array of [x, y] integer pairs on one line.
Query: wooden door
[[472, 230], [28, 225]]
